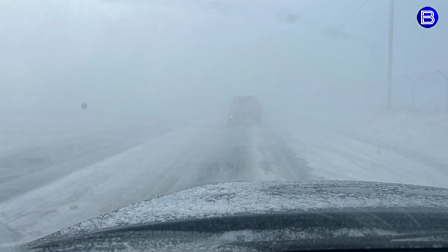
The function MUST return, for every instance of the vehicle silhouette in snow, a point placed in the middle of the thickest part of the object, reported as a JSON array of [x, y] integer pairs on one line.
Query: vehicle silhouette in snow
[[245, 111]]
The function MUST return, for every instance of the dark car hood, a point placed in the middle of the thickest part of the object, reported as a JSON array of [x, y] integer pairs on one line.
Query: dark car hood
[[258, 198]]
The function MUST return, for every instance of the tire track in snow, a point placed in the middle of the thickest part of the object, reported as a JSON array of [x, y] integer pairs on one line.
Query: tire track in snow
[[276, 159]]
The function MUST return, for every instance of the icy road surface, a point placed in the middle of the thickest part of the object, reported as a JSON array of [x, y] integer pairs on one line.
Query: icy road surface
[[70, 181], [52, 179]]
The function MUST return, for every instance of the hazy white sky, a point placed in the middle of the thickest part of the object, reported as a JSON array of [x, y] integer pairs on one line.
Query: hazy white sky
[[186, 59]]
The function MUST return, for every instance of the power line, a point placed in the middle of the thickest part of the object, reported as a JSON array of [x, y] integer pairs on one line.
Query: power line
[[348, 20], [425, 76]]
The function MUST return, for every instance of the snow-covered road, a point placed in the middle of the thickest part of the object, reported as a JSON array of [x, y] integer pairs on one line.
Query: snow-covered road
[[53, 184], [65, 183]]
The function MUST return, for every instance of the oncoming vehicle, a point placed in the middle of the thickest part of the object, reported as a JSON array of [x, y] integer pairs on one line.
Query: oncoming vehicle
[[245, 111]]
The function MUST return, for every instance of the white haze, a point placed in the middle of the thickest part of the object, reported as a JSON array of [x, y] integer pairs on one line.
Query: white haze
[[187, 59], [158, 77]]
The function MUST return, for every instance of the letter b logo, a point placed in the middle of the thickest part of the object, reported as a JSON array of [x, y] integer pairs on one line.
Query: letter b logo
[[427, 17]]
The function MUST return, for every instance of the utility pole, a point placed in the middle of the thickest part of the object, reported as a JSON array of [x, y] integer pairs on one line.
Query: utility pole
[[446, 78], [391, 40]]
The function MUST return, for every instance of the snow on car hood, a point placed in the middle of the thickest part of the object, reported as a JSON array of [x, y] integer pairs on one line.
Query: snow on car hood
[[242, 198]]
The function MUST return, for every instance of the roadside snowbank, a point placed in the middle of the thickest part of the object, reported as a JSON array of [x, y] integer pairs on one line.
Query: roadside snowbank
[[382, 146], [423, 134]]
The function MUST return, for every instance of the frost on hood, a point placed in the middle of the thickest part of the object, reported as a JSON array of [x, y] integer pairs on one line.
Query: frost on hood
[[242, 198]]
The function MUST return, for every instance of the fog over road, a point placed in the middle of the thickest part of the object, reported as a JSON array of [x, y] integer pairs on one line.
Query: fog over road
[[63, 183], [58, 171], [108, 103]]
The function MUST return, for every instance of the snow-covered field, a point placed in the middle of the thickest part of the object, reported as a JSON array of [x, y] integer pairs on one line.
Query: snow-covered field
[[383, 146], [59, 170]]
